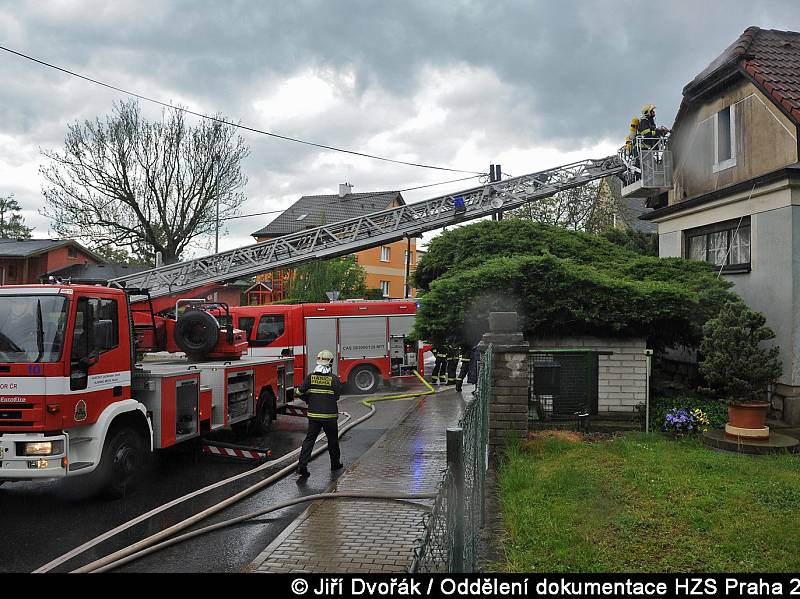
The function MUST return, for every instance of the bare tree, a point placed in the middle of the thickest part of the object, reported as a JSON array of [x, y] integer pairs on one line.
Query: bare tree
[[144, 187], [12, 225], [590, 208]]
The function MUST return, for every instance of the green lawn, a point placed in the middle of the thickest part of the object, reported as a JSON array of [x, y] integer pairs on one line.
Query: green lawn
[[646, 503]]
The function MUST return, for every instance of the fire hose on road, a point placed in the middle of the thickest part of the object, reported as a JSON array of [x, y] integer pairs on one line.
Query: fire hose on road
[[139, 548]]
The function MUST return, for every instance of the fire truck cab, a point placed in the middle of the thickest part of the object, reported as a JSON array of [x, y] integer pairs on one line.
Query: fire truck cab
[[371, 340], [78, 395]]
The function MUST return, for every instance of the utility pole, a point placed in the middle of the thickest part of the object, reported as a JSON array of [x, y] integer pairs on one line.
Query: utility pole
[[495, 176], [216, 193]]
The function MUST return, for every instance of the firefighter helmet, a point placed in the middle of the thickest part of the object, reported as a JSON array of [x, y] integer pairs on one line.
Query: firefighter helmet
[[635, 122], [648, 109], [325, 358]]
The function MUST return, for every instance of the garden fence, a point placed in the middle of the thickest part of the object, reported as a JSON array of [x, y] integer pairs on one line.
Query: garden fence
[[449, 541]]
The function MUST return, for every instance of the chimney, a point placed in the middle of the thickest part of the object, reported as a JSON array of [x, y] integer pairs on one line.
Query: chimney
[[344, 189]]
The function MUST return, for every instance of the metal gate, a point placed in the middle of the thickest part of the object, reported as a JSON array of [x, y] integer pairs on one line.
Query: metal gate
[[562, 384]]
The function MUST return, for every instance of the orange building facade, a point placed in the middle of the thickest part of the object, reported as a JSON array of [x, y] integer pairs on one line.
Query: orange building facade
[[386, 268]]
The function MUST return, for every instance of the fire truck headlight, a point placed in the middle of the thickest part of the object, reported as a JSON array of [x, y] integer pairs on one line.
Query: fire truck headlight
[[43, 448]]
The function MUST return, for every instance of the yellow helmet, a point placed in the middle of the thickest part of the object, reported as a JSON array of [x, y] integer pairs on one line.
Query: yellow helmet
[[648, 108], [325, 358], [635, 121]]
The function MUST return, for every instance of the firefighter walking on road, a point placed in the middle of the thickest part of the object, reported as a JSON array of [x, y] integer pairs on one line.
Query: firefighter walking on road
[[321, 390], [439, 374]]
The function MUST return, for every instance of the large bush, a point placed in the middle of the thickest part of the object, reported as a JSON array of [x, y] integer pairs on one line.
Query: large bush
[[735, 362], [560, 282]]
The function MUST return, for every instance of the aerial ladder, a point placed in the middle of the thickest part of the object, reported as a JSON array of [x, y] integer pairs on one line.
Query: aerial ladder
[[78, 396], [371, 230]]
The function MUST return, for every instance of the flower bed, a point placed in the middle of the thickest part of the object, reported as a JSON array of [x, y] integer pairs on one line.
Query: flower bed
[[715, 413]]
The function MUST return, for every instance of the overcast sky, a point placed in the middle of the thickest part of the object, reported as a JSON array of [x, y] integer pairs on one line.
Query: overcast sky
[[527, 84]]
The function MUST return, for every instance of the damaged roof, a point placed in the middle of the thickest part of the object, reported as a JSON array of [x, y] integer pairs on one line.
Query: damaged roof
[[768, 57]]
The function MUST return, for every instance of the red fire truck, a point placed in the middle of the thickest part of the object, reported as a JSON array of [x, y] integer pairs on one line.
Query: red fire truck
[[77, 397], [370, 339]]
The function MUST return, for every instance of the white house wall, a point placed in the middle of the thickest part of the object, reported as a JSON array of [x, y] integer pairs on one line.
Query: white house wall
[[773, 284]]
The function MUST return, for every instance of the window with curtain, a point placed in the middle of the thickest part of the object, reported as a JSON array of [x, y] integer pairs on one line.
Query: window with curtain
[[725, 245]]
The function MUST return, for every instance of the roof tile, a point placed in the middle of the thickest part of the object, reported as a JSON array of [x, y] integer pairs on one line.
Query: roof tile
[[771, 57], [774, 62]]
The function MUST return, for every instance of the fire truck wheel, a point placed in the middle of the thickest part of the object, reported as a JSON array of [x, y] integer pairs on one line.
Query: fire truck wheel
[[364, 379], [122, 461], [262, 423], [196, 332]]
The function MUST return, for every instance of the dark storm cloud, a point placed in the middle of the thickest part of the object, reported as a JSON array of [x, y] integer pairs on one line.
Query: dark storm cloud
[[512, 74], [583, 65]]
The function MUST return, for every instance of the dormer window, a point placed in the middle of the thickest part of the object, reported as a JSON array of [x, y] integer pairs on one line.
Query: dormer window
[[725, 138]]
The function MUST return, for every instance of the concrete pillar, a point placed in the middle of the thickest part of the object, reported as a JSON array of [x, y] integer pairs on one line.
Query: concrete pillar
[[508, 409]]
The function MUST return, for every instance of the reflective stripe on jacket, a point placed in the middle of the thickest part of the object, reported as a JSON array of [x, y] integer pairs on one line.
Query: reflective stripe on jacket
[[321, 392]]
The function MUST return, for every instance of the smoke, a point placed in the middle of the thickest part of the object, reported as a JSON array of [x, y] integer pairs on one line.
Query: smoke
[[476, 315]]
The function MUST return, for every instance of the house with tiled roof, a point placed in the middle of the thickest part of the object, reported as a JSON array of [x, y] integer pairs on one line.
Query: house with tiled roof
[[385, 265], [735, 202], [24, 261]]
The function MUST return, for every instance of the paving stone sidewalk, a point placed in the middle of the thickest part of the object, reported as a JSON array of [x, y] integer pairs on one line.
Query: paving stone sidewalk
[[353, 535]]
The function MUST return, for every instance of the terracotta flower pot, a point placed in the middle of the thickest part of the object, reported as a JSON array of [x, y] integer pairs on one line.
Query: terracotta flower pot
[[748, 415]]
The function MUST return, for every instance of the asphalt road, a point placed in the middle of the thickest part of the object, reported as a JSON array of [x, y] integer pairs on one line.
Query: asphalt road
[[41, 521]]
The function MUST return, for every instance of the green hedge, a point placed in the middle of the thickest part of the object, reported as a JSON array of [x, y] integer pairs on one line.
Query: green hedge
[[560, 282]]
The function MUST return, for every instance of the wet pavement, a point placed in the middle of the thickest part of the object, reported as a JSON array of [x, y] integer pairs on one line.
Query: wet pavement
[[41, 521], [355, 535]]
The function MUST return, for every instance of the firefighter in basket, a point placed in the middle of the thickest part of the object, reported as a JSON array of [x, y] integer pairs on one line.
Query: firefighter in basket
[[321, 390]]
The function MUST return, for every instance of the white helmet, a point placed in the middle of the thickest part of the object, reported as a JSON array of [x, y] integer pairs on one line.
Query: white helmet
[[324, 358]]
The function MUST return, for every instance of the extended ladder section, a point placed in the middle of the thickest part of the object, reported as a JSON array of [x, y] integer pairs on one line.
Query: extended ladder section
[[364, 232]]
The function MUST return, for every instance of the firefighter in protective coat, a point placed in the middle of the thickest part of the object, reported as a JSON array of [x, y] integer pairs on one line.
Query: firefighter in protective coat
[[453, 354], [466, 356], [321, 390], [439, 374]]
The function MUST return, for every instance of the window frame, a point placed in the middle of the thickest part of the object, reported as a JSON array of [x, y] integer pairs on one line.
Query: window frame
[[267, 320], [82, 309], [729, 162], [729, 227], [247, 327], [388, 288], [386, 251]]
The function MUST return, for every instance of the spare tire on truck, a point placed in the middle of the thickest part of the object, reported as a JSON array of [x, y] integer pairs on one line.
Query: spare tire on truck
[[196, 333]]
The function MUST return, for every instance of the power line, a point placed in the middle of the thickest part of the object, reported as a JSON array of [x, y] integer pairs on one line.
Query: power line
[[355, 198], [225, 122]]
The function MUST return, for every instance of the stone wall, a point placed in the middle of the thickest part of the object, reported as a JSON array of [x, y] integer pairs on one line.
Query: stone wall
[[508, 411], [622, 376]]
